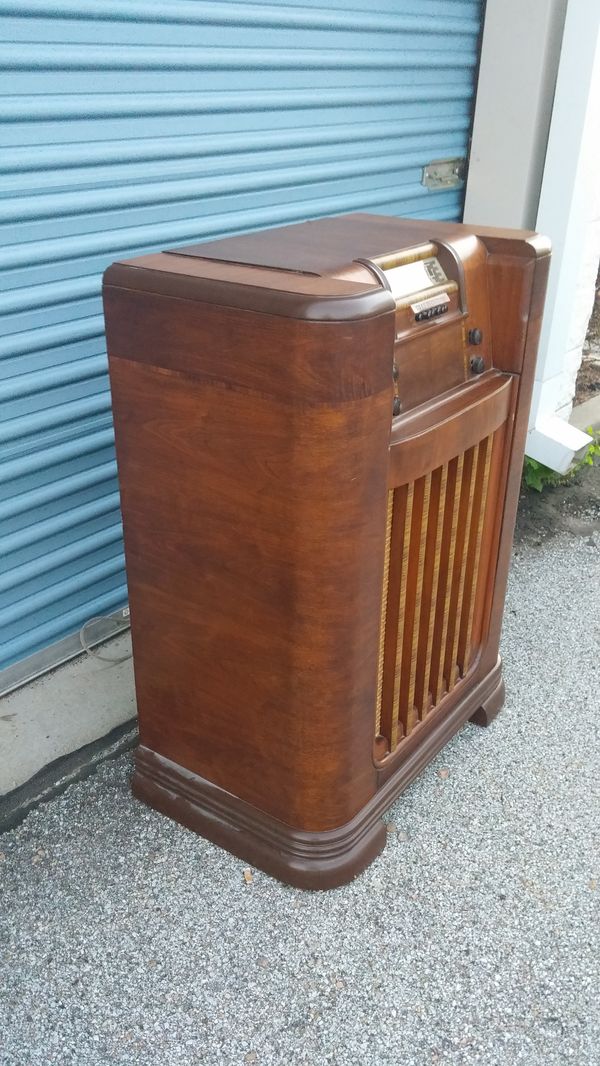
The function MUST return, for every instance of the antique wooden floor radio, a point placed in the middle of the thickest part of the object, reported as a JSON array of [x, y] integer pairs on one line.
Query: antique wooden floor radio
[[320, 433]]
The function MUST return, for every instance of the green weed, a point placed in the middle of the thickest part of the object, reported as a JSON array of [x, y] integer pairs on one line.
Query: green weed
[[539, 477]]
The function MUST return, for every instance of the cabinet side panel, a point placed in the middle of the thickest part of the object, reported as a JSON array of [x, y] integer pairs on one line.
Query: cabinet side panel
[[254, 529]]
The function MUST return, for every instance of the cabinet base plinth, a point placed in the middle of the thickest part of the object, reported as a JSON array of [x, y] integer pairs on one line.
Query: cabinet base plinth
[[303, 859], [314, 860]]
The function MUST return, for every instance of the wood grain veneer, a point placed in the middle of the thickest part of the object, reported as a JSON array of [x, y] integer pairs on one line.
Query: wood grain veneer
[[316, 587]]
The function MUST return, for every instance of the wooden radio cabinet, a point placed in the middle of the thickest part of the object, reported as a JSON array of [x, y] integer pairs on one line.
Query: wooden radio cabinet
[[320, 434]]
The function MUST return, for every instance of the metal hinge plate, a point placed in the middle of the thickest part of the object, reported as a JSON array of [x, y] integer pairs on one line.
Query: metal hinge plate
[[444, 173]]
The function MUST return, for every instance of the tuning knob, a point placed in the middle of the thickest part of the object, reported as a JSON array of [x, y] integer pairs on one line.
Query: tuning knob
[[397, 407], [475, 336], [477, 364]]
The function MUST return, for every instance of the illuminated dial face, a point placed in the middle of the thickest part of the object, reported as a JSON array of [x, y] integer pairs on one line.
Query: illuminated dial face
[[433, 268], [415, 277]]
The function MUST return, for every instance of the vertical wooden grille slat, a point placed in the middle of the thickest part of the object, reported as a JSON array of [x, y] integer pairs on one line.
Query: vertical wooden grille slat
[[384, 598], [404, 572], [458, 579], [474, 554], [407, 711], [449, 555], [433, 572], [430, 588], [402, 498], [489, 541]]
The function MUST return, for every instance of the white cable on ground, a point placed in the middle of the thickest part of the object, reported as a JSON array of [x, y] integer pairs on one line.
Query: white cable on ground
[[96, 654]]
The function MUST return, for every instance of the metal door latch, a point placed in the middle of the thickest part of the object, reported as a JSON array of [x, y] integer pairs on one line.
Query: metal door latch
[[444, 173]]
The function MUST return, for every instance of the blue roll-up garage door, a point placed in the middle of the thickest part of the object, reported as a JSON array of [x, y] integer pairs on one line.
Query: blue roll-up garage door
[[131, 125]]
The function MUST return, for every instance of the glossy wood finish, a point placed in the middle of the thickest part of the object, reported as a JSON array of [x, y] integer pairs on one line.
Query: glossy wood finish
[[434, 572], [268, 500], [448, 427], [233, 503]]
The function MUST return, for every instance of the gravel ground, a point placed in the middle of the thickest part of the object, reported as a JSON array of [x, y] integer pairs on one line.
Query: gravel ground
[[474, 938]]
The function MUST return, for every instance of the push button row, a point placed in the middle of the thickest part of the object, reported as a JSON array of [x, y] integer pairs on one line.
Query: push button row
[[431, 312]]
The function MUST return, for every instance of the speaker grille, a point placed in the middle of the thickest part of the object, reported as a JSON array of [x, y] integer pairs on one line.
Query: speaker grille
[[430, 629]]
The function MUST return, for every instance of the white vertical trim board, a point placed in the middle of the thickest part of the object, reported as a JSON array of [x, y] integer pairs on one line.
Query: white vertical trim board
[[535, 160], [569, 211], [519, 61]]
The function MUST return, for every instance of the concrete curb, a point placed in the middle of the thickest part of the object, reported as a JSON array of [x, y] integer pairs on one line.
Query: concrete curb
[[58, 775], [586, 414]]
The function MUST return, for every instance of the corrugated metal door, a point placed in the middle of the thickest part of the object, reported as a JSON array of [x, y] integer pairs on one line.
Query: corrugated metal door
[[131, 125]]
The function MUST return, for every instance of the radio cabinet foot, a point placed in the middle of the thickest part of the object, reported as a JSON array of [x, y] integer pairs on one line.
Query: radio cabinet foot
[[490, 707]]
